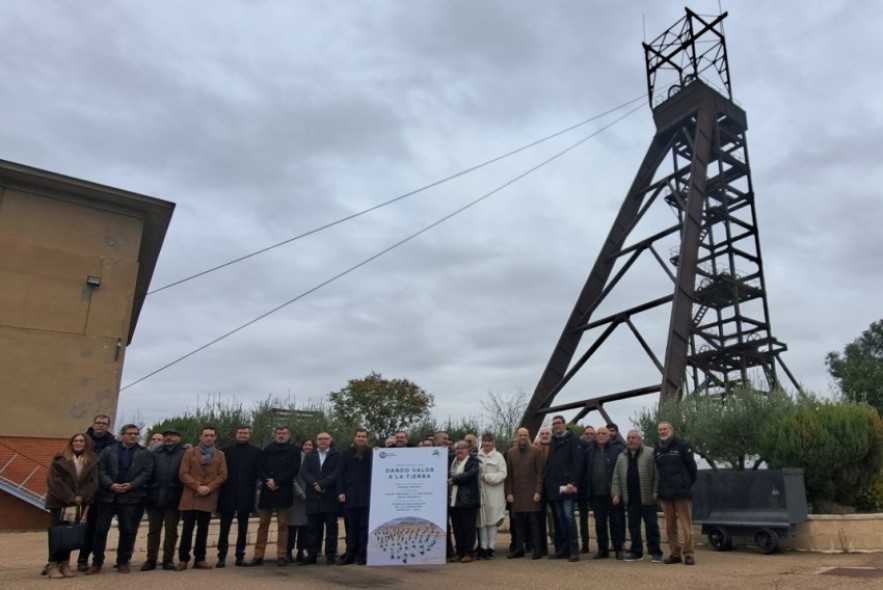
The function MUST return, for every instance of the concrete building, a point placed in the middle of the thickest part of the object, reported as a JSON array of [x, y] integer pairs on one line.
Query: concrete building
[[76, 260]]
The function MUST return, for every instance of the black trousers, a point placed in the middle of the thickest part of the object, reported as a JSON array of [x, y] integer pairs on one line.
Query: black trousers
[[162, 522], [128, 517], [606, 514], [646, 513], [357, 532], [525, 525], [323, 522], [463, 524], [241, 533], [582, 505], [201, 520], [298, 536], [86, 551]]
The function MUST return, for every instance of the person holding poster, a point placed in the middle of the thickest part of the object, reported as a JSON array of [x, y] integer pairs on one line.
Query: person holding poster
[[464, 501]]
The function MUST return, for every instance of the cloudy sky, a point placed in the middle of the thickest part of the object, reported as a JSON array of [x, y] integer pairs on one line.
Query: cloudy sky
[[265, 120]]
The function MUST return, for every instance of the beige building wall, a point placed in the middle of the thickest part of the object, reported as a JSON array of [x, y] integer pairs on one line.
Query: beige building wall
[[62, 339]]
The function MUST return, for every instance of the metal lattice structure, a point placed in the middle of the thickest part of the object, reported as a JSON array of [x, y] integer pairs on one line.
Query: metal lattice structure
[[708, 256]]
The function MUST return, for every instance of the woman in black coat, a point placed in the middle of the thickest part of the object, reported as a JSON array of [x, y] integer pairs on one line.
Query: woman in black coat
[[464, 501]]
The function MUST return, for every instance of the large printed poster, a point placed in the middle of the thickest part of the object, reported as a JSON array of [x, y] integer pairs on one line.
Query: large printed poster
[[408, 519]]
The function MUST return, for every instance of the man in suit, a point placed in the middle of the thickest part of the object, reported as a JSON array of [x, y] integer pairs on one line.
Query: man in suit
[[238, 493], [564, 468], [323, 508]]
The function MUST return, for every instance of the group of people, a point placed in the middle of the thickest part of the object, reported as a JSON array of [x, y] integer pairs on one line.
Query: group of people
[[309, 487]]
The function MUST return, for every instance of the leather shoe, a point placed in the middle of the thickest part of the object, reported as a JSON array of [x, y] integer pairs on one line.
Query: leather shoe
[[573, 557], [689, 560], [148, 566], [619, 555], [672, 559], [221, 563], [239, 562], [168, 565], [180, 566], [515, 555], [282, 562], [330, 559], [360, 560], [255, 563], [601, 555], [82, 566], [95, 569], [536, 555], [466, 559], [346, 560], [201, 565], [308, 561], [123, 568]]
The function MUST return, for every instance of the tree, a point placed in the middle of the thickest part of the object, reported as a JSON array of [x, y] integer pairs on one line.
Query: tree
[[859, 369], [725, 431], [839, 446], [504, 413], [381, 405]]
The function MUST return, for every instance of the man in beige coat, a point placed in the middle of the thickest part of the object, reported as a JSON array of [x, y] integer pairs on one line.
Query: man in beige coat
[[524, 488], [203, 470]]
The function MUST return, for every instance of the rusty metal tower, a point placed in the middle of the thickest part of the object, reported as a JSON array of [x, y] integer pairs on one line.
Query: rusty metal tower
[[689, 222]]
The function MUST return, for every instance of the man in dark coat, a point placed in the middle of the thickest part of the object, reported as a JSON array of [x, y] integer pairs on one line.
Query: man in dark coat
[[238, 494], [162, 501], [279, 463], [564, 469], [354, 493], [125, 470], [323, 507], [101, 438], [677, 474], [601, 459]]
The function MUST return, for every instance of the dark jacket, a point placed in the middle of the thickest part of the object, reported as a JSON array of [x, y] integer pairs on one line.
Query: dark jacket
[[354, 478], [564, 465], [468, 495], [326, 477], [139, 474], [63, 484], [100, 443], [165, 489], [677, 469], [238, 492], [279, 462], [610, 454]]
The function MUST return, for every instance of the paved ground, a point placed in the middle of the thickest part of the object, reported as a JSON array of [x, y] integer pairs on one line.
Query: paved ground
[[740, 569]]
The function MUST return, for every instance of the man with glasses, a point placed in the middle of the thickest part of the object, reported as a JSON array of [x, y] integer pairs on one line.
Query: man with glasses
[[564, 469], [101, 437], [323, 507], [124, 471]]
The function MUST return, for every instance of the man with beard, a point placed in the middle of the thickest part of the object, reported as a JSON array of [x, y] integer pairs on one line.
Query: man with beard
[[524, 490], [677, 474], [354, 493], [124, 471], [162, 501], [323, 508], [237, 494], [101, 437], [279, 463]]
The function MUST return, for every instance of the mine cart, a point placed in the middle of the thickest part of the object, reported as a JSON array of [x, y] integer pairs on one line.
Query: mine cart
[[764, 505]]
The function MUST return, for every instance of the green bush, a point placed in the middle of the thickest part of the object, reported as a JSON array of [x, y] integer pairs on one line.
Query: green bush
[[839, 445]]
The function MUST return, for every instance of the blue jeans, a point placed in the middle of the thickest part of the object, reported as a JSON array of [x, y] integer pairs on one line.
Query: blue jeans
[[566, 542]]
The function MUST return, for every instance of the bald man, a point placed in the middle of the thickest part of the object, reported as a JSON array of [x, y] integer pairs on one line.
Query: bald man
[[524, 487]]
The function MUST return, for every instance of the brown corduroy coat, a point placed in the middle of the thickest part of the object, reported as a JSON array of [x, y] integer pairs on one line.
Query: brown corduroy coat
[[194, 474]]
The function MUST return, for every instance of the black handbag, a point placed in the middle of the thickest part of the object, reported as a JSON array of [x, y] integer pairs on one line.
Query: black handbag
[[68, 536]]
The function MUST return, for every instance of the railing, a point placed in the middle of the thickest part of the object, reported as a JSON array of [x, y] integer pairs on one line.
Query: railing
[[17, 472]]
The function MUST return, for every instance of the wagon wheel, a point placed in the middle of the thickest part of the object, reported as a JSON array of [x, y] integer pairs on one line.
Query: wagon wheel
[[720, 539], [766, 540]]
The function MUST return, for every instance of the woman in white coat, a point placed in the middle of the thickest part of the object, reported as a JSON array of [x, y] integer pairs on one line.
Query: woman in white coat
[[492, 478]]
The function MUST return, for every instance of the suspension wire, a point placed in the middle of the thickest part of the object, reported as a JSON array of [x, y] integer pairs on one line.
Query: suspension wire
[[393, 200], [387, 249]]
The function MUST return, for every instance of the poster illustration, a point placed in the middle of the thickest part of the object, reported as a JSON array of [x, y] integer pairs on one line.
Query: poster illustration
[[408, 519]]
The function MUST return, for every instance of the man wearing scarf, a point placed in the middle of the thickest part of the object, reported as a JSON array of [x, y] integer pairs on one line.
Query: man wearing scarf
[[203, 470]]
